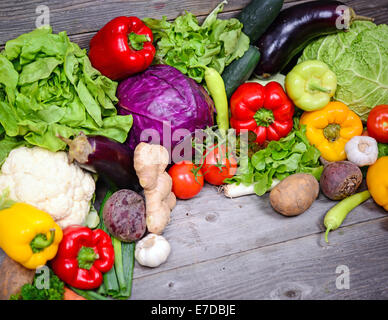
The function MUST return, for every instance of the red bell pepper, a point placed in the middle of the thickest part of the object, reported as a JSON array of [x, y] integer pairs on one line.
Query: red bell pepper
[[122, 48], [265, 110], [377, 123], [83, 256]]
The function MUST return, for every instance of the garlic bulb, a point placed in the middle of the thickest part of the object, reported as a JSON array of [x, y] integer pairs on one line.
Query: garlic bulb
[[362, 150], [152, 250]]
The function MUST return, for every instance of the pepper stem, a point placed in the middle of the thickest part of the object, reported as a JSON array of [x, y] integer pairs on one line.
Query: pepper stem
[[264, 117], [40, 242], [331, 132], [86, 257], [355, 17], [137, 40], [316, 87], [326, 234]]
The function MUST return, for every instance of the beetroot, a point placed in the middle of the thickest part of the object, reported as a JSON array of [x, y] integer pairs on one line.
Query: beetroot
[[124, 215], [340, 179]]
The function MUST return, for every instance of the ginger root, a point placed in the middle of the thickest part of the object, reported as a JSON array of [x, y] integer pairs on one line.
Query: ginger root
[[150, 162]]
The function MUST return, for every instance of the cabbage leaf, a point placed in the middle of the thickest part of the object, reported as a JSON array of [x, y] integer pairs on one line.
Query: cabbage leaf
[[359, 58]]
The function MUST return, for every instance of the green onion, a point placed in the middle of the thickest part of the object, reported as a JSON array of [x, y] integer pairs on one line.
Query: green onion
[[89, 294], [111, 285], [128, 263], [119, 263]]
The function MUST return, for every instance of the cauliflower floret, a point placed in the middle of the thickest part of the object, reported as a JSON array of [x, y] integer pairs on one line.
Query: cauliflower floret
[[48, 181]]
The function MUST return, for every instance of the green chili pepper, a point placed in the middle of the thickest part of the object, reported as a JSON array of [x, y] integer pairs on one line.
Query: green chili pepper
[[216, 87], [336, 215]]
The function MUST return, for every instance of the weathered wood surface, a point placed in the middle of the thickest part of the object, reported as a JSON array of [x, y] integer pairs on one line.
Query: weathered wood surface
[[81, 19], [302, 268], [239, 248]]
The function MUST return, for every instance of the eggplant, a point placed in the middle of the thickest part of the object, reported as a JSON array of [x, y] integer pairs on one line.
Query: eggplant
[[111, 160], [295, 27]]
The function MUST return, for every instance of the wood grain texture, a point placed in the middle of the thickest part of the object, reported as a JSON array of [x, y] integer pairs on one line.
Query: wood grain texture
[[86, 17], [303, 268], [211, 226]]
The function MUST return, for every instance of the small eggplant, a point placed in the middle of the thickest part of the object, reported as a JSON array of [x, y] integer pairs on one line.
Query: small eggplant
[[295, 27], [111, 160]]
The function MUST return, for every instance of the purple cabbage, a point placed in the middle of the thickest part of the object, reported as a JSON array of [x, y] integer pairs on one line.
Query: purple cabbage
[[163, 94]]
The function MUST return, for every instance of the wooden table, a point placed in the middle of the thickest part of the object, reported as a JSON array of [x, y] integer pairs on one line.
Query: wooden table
[[239, 248]]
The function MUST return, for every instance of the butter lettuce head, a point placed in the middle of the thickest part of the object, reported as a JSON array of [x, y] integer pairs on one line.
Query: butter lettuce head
[[48, 87], [360, 60]]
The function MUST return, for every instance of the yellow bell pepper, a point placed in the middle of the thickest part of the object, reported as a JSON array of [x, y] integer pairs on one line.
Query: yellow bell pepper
[[377, 181], [330, 128], [28, 235]]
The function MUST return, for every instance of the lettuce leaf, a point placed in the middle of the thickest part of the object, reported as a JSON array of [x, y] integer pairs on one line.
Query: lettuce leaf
[[289, 155], [189, 46], [48, 87], [360, 60]]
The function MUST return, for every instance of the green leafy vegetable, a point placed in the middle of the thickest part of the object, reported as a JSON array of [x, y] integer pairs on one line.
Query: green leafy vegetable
[[7, 144], [291, 154], [360, 60], [30, 291], [188, 46], [383, 149], [48, 87]]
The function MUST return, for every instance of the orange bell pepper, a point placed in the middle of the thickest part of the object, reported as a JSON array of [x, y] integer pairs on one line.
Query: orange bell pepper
[[377, 181]]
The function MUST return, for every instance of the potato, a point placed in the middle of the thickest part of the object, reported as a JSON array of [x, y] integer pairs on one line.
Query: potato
[[294, 194], [124, 215], [340, 179], [13, 277]]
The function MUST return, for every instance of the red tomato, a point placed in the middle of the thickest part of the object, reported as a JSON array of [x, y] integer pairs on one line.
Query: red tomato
[[378, 123], [218, 166], [186, 184]]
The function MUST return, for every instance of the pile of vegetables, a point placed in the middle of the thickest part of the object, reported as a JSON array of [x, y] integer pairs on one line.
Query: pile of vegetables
[[158, 108]]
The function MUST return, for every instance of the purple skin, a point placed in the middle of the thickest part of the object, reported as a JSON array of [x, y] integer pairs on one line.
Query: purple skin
[[293, 29], [166, 106], [124, 215], [110, 159]]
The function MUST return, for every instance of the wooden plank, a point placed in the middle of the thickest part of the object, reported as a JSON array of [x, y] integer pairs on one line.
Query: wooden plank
[[77, 17], [303, 268], [83, 39], [211, 226]]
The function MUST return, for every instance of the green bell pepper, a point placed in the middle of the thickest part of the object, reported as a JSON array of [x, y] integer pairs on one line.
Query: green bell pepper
[[311, 85]]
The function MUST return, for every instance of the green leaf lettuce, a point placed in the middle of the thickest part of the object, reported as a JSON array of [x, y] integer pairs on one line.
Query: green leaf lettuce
[[48, 87], [291, 154], [189, 46]]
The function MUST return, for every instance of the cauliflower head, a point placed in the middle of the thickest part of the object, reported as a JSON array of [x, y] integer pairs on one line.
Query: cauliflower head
[[47, 181]]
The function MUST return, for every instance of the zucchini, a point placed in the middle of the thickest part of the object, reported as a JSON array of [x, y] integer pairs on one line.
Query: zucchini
[[257, 16], [240, 70]]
